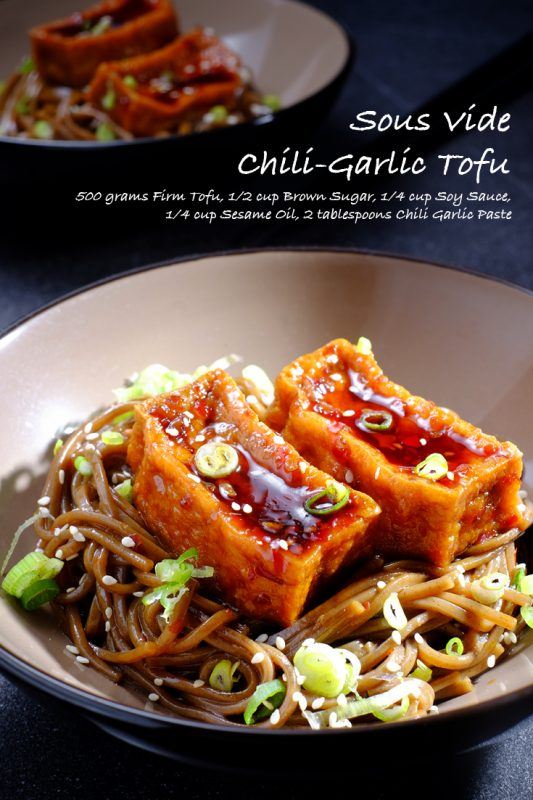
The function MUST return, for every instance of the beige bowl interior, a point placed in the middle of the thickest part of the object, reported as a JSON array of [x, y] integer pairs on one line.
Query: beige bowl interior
[[461, 340], [293, 50]]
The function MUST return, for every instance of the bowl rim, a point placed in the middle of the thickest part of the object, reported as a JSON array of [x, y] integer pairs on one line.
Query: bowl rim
[[106, 707], [198, 136]]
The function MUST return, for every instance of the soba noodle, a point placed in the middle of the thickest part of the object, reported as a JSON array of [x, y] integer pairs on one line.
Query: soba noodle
[[89, 525]]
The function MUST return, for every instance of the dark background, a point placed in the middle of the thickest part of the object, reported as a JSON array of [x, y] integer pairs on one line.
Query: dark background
[[408, 53]]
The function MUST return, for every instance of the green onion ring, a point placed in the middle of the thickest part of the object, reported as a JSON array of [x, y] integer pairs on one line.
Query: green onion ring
[[385, 420], [39, 593], [330, 493]]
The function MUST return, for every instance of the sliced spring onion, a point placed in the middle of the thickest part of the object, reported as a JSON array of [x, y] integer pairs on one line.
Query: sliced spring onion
[[454, 647], [373, 420], [174, 573], [526, 585], [490, 588], [171, 570], [336, 496], [125, 490], [83, 466], [109, 100], [323, 667], [158, 379], [393, 714], [22, 106], [218, 113], [102, 25], [394, 613], [526, 612], [39, 593], [267, 697], [27, 66], [33, 567], [434, 467], [58, 445], [42, 129], [113, 438], [222, 675], [271, 101], [127, 415], [422, 671], [367, 705], [130, 81], [517, 578], [258, 383], [104, 133], [364, 346], [353, 670], [216, 459]]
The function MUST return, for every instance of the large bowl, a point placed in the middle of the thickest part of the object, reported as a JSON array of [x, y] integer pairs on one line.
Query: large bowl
[[460, 339], [293, 50]]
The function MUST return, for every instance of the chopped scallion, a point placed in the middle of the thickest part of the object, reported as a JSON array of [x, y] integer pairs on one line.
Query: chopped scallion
[[33, 567], [336, 496], [27, 66], [125, 490], [83, 466], [490, 588], [272, 101], [526, 612], [218, 113], [39, 593], [394, 713], [130, 81], [267, 697], [394, 613], [112, 438], [58, 445], [364, 346], [373, 420], [104, 133], [422, 671], [323, 667], [216, 459], [109, 99], [526, 585], [42, 129], [127, 415], [434, 467], [222, 675], [454, 647]]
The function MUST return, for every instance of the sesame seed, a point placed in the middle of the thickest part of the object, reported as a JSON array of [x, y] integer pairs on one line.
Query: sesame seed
[[348, 476], [195, 478], [72, 649], [70, 589], [336, 376], [90, 447], [302, 702], [43, 501], [200, 438], [153, 697], [158, 681], [39, 550], [109, 612], [296, 696], [381, 584], [188, 414], [247, 508], [71, 558], [392, 666], [88, 427], [262, 638], [341, 700], [308, 642], [450, 476], [92, 437], [491, 660], [171, 431], [423, 442], [257, 658], [333, 358], [82, 660], [348, 413], [332, 719], [107, 626], [280, 643], [279, 439], [235, 506], [78, 536], [59, 554], [138, 594], [61, 476], [127, 541], [274, 717], [512, 638], [396, 637], [197, 683], [109, 580], [376, 474], [283, 544], [300, 679], [318, 702], [433, 710], [418, 638], [303, 466], [57, 532]]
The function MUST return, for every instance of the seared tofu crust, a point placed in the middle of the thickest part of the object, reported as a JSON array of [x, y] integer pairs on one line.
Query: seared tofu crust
[[322, 400], [269, 553]]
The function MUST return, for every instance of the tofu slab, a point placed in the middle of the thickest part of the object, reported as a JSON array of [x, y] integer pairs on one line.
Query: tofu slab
[[269, 553], [319, 405]]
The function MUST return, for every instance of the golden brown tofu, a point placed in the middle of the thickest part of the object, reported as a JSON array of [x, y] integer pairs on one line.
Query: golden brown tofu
[[253, 524], [344, 415]]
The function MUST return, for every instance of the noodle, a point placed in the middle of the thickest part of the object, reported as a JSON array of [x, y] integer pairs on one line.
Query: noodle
[[89, 524], [26, 100]]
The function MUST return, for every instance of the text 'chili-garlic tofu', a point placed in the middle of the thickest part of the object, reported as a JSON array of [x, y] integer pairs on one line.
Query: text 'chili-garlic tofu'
[[210, 475], [441, 483]]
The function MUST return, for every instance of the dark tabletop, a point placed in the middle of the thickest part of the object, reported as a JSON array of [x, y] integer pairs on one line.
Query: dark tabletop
[[407, 53]]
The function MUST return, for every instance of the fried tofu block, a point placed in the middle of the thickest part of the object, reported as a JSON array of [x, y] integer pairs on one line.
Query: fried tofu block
[[269, 553], [68, 51], [153, 92], [344, 415]]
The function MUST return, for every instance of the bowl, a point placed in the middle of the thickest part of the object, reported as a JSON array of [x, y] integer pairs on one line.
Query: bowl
[[463, 340], [293, 50]]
